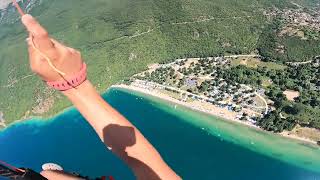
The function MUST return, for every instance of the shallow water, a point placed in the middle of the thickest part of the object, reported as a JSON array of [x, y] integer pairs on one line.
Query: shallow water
[[222, 150]]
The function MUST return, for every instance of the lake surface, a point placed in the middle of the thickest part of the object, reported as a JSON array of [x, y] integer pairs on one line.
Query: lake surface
[[195, 145]]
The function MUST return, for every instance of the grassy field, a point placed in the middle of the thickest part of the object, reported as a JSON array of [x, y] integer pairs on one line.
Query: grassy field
[[255, 63], [119, 38]]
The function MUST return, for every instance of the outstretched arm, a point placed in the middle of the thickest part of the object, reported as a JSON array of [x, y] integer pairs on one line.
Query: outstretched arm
[[117, 133]]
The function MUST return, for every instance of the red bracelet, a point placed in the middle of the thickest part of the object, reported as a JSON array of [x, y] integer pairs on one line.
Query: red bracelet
[[70, 82]]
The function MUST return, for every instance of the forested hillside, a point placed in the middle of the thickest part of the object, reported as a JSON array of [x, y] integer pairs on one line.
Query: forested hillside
[[119, 38]]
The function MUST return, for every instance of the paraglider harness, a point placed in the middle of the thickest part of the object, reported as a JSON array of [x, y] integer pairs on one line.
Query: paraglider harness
[[13, 173]]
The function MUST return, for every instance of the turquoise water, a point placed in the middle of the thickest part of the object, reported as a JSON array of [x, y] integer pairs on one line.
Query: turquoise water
[[193, 153]]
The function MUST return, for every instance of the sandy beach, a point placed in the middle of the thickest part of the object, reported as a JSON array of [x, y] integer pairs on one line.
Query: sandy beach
[[208, 108]]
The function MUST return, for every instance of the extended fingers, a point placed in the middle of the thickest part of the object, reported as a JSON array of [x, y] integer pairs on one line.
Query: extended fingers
[[18, 7], [34, 59], [39, 34], [64, 49]]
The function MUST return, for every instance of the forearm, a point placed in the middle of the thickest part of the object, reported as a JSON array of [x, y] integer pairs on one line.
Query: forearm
[[113, 129], [117, 132], [95, 110]]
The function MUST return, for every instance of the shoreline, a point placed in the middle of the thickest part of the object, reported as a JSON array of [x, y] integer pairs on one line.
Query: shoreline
[[217, 112], [40, 118], [175, 101]]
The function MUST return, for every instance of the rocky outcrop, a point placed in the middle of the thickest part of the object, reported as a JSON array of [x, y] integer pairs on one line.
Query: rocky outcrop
[[1, 117], [2, 121]]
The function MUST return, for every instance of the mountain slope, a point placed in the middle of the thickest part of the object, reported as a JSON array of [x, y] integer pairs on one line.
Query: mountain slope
[[119, 38]]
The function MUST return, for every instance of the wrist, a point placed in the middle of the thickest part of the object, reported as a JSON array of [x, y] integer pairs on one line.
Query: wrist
[[82, 88], [71, 81]]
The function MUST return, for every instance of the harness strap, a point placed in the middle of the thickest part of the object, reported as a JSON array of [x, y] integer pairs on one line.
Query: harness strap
[[9, 173], [10, 167]]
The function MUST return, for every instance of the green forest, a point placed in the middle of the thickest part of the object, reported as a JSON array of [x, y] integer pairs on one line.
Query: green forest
[[295, 48], [119, 38], [305, 110]]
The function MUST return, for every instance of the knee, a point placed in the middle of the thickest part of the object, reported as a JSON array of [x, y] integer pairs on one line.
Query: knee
[[57, 175]]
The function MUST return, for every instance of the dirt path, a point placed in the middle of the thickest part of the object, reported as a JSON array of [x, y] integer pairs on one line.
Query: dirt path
[[242, 55], [265, 102], [16, 81], [180, 23], [299, 63], [140, 34], [209, 19]]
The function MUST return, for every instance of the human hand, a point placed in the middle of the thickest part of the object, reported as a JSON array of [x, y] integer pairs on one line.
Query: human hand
[[65, 59]]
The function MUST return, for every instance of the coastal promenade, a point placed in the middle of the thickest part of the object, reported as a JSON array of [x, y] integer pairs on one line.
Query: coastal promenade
[[199, 105], [157, 90]]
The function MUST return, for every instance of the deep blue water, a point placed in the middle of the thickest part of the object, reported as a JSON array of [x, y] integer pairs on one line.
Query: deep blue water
[[69, 141]]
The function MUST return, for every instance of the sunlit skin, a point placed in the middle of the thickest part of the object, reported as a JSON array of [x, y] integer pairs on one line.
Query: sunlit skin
[[114, 130], [20, 11]]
